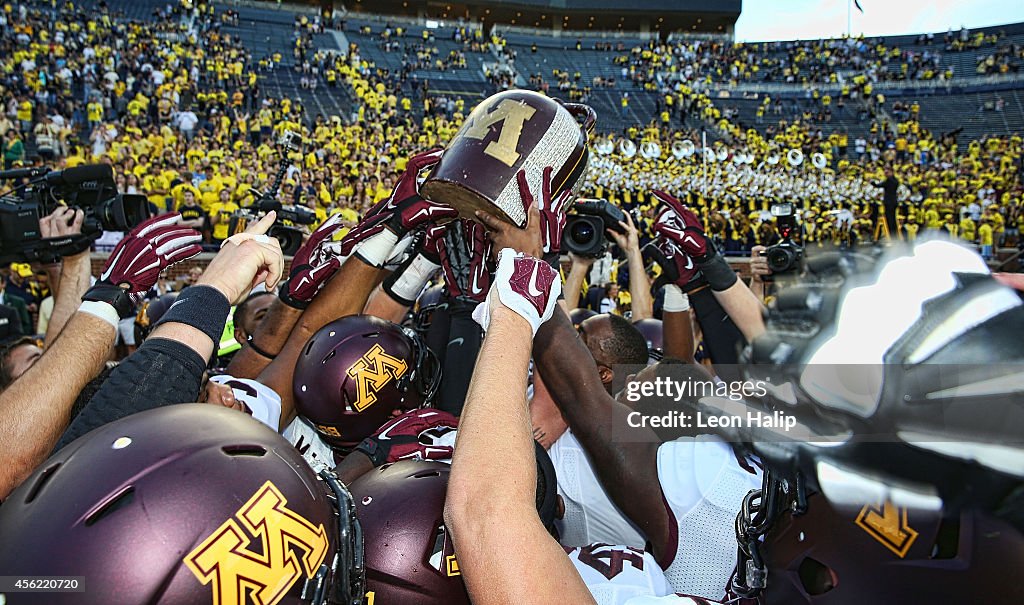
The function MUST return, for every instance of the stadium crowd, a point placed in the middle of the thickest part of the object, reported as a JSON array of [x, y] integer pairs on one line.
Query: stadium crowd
[[449, 387]]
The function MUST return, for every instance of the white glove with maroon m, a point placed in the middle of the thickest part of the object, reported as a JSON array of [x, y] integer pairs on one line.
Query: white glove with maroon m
[[524, 284]]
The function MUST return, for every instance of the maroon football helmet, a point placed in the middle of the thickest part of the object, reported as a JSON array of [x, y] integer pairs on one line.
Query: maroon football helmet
[[355, 372], [431, 300], [190, 503], [885, 554], [409, 555], [579, 315], [653, 334]]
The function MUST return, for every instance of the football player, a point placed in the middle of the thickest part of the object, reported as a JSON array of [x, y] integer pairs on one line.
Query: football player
[[684, 495]]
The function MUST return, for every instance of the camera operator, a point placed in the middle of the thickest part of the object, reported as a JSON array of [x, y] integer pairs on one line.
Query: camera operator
[[628, 241], [35, 409]]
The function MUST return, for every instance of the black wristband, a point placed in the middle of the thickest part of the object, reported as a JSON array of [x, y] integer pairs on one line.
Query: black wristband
[[115, 296], [252, 345], [719, 275], [202, 307], [372, 449], [282, 293]]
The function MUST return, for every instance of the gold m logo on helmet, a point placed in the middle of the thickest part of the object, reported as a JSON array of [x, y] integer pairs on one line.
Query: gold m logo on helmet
[[512, 115], [372, 372], [225, 559], [452, 565], [888, 524]]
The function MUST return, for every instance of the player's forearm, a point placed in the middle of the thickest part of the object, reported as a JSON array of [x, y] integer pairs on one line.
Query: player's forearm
[[74, 281], [492, 489], [571, 377], [269, 337], [743, 308], [345, 294], [627, 468], [36, 408], [639, 287], [383, 306], [494, 451], [677, 330]]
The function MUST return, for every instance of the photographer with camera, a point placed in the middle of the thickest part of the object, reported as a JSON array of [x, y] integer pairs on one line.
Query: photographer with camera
[[35, 409]]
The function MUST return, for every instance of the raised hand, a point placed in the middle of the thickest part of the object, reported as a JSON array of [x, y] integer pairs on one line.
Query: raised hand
[[523, 284], [678, 224], [552, 211], [313, 265], [463, 254], [375, 237], [137, 260], [246, 259]]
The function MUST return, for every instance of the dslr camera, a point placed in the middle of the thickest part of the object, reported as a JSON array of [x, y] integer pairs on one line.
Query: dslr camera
[[89, 188], [786, 256], [584, 233], [287, 214]]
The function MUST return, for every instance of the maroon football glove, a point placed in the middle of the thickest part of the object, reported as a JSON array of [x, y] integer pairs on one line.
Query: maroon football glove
[[552, 211], [681, 226], [463, 255], [390, 219], [135, 264], [313, 265], [682, 241], [414, 435]]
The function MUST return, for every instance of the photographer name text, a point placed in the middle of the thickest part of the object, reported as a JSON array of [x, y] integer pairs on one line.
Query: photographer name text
[[687, 420]]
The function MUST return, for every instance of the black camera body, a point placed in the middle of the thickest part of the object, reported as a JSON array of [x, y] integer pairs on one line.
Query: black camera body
[[786, 256], [90, 188], [584, 233], [290, 237]]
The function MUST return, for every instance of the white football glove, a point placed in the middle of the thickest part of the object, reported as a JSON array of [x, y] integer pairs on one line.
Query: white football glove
[[524, 284]]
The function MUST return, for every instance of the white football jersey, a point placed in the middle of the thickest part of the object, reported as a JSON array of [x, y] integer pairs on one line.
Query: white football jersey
[[616, 574], [318, 454], [704, 485], [260, 401], [590, 515]]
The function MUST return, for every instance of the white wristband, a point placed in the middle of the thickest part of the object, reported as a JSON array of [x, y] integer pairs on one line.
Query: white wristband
[[675, 300], [376, 250], [408, 285], [102, 310]]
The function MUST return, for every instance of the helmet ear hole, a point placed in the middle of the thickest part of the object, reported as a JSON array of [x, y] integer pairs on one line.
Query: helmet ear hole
[[947, 542], [816, 578], [244, 450]]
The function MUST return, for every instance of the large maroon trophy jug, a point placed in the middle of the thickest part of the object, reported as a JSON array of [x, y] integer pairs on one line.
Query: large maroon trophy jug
[[511, 131]]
